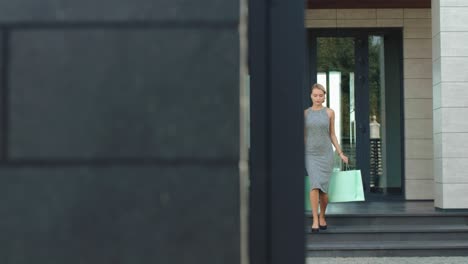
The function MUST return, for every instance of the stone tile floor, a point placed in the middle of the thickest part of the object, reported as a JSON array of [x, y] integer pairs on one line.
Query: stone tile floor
[[390, 260]]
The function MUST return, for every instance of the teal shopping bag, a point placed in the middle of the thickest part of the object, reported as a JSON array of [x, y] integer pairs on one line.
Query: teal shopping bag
[[345, 186]]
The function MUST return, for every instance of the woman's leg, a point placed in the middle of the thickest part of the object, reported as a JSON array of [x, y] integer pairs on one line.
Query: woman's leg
[[314, 203], [323, 208]]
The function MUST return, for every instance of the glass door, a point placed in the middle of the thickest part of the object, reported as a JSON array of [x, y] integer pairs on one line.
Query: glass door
[[354, 68], [336, 71]]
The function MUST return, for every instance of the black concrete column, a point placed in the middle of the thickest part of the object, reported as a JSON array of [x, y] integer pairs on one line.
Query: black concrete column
[[120, 131]]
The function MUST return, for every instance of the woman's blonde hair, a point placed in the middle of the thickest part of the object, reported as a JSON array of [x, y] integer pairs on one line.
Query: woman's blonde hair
[[318, 86]]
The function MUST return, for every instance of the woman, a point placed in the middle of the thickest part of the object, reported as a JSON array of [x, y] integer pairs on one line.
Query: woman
[[319, 137]]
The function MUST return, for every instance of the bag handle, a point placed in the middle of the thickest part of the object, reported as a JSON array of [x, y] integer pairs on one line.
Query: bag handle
[[348, 167]]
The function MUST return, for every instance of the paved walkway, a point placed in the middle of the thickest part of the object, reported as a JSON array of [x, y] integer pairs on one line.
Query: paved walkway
[[392, 260]]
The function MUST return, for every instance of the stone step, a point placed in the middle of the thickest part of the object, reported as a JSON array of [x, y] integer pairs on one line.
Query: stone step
[[389, 233], [394, 219], [389, 248]]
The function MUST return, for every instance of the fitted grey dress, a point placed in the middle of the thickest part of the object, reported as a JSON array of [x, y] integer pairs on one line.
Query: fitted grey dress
[[318, 148]]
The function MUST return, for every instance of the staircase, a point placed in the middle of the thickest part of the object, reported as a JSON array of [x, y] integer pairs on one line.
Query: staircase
[[391, 235]]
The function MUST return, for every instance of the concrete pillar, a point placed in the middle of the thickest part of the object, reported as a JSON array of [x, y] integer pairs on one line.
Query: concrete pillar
[[119, 132], [450, 94]]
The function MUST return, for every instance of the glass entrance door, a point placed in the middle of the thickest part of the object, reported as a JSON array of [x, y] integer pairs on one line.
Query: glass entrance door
[[335, 69], [364, 89]]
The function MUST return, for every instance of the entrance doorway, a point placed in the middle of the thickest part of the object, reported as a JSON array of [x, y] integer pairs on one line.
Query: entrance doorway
[[362, 72]]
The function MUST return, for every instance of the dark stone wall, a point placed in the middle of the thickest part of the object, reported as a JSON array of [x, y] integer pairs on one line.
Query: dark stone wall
[[120, 127]]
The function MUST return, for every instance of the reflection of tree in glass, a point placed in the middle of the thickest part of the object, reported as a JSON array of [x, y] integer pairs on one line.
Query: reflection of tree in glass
[[375, 46], [337, 54]]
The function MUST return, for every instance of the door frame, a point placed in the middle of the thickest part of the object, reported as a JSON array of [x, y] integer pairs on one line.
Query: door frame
[[362, 74]]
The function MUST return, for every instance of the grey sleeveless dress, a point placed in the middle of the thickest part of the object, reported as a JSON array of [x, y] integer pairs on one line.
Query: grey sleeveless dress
[[318, 148]]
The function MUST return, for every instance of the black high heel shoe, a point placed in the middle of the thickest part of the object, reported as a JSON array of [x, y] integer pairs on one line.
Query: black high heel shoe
[[323, 227], [314, 230]]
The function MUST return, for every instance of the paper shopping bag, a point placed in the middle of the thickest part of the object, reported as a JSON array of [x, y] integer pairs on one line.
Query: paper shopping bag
[[345, 186]]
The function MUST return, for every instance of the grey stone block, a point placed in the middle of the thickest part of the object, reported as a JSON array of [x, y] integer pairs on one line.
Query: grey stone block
[[97, 215], [118, 10], [87, 94]]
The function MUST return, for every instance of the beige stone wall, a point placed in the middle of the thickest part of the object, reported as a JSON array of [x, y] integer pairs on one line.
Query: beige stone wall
[[450, 86], [417, 56]]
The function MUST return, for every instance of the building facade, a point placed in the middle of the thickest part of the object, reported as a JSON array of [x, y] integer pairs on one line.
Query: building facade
[[434, 91]]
